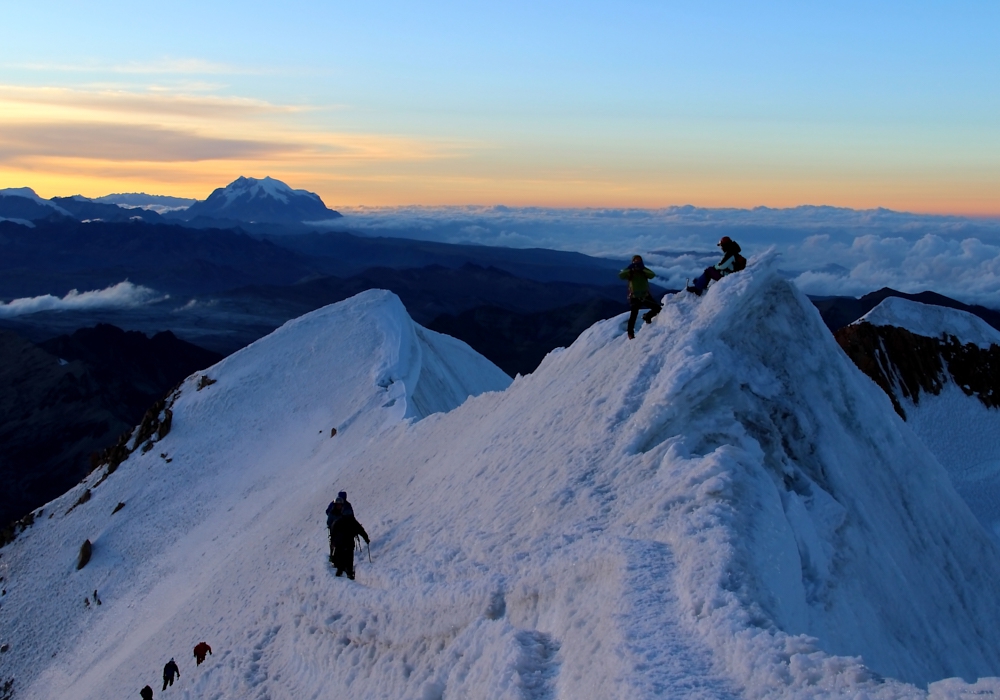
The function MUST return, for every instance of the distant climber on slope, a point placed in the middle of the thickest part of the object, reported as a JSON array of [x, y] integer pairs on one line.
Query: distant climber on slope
[[337, 508], [200, 650], [731, 262], [638, 276], [342, 534], [169, 671]]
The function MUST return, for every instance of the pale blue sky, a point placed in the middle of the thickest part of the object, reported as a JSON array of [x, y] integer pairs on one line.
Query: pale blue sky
[[624, 103]]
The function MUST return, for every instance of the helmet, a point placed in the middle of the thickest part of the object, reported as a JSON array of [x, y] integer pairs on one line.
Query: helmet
[[726, 240]]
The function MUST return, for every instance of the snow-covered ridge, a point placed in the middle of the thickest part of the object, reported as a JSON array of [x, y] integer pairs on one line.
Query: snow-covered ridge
[[723, 507], [29, 193], [932, 321]]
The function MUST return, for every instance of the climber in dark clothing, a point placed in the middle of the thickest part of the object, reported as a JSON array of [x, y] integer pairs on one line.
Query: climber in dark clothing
[[200, 649], [731, 261], [146, 693], [638, 276], [169, 671], [337, 508], [342, 535]]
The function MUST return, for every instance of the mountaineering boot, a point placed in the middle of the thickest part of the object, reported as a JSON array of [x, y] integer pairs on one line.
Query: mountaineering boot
[[647, 317], [694, 290], [631, 335]]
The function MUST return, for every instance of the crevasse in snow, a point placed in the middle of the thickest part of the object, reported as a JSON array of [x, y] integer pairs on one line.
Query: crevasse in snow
[[722, 507]]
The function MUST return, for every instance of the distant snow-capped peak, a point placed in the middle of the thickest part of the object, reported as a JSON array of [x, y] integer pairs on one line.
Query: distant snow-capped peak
[[265, 187], [29, 193], [932, 321], [262, 200]]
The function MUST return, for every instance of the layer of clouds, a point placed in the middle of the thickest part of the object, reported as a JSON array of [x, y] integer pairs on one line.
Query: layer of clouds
[[148, 101], [962, 268], [825, 250], [119, 142], [119, 296]]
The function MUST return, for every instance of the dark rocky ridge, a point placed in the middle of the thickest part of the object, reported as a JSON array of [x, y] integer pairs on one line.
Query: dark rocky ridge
[[52, 416], [903, 364], [133, 369], [74, 397]]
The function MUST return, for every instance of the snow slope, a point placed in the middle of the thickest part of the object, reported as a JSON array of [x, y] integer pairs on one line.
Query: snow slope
[[957, 428], [722, 508]]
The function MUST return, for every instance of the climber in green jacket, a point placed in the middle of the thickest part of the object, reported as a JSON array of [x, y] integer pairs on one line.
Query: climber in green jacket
[[638, 276]]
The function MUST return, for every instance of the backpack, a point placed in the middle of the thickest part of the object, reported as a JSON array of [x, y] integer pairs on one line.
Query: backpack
[[740, 263]]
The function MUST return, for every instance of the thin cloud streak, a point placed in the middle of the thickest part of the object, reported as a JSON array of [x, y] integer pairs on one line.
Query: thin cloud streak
[[120, 296], [163, 102], [114, 142], [167, 66]]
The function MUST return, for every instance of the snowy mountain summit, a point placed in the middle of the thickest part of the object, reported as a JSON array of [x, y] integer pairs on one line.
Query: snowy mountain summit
[[723, 507], [265, 200]]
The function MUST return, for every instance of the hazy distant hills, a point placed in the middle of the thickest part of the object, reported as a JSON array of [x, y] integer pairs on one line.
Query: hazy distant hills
[[152, 202], [56, 256], [84, 209], [21, 204], [245, 201]]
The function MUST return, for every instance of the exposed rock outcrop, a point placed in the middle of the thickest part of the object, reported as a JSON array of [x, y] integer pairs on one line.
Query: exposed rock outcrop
[[904, 364]]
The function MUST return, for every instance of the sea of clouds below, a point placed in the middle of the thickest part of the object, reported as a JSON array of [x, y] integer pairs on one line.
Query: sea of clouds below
[[827, 251]]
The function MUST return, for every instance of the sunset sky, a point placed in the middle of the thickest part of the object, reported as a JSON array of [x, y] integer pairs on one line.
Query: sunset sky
[[624, 104]]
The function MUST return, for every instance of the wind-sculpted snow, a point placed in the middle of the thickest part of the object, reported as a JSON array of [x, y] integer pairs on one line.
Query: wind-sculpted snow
[[723, 507]]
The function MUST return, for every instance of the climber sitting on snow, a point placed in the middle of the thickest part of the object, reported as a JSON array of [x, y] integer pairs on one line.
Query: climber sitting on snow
[[638, 276], [731, 261]]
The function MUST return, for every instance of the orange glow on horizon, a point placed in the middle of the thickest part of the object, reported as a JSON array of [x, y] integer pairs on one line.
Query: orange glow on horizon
[[62, 142], [197, 181]]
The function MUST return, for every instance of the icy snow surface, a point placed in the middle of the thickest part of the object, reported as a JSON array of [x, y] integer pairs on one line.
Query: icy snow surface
[[965, 437], [723, 507], [932, 321]]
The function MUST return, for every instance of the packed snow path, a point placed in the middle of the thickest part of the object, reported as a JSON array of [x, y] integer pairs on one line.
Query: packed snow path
[[722, 507]]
